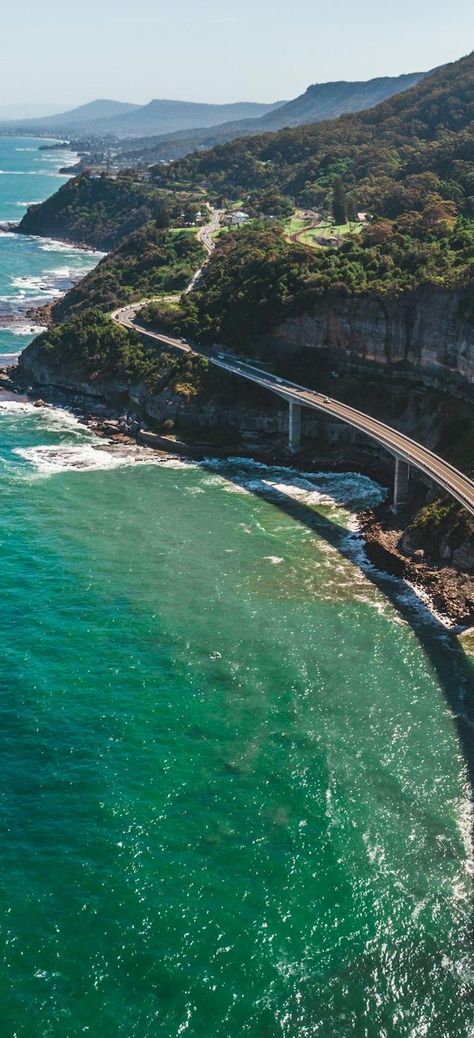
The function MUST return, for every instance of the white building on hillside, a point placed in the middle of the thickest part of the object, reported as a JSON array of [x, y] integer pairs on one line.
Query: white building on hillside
[[236, 219]]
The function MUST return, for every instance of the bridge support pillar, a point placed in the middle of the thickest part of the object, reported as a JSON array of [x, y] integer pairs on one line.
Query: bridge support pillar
[[400, 486], [294, 426]]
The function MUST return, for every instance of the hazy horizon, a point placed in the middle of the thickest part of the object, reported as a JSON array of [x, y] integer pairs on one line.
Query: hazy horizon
[[210, 51]]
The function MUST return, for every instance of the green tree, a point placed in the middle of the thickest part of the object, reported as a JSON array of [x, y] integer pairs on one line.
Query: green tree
[[339, 202]]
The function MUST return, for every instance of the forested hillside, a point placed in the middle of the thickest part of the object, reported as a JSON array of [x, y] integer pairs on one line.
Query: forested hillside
[[390, 158], [149, 261], [320, 101], [256, 279], [99, 212]]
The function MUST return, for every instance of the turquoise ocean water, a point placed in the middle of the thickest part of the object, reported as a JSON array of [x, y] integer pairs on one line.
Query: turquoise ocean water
[[235, 776], [33, 271]]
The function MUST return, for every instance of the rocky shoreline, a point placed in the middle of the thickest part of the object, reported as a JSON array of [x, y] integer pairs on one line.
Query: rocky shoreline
[[448, 590]]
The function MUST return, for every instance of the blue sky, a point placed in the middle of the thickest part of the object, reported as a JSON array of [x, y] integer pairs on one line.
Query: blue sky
[[56, 51]]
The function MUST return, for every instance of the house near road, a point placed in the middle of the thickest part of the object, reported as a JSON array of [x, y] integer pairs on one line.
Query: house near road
[[236, 219]]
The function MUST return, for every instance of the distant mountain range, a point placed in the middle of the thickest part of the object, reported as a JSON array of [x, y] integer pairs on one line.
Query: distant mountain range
[[413, 146], [104, 117], [169, 129], [319, 102], [82, 117]]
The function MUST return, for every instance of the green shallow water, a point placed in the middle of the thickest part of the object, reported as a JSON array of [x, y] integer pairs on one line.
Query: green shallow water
[[235, 797]]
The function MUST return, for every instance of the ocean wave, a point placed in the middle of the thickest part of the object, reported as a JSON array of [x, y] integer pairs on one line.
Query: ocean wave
[[348, 490], [51, 245], [54, 283], [6, 359], [49, 460], [56, 419], [16, 407], [27, 329], [30, 173], [33, 285]]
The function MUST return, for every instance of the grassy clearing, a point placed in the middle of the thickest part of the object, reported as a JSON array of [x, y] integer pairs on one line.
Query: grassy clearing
[[330, 230], [297, 222], [189, 231], [300, 224]]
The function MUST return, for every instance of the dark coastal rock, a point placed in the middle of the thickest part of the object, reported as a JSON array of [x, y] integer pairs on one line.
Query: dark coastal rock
[[451, 590]]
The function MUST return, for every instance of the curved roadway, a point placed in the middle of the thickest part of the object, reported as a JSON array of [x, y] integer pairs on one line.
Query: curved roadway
[[399, 445]]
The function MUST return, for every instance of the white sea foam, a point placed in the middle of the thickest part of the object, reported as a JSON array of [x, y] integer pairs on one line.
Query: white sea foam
[[52, 283], [345, 490], [51, 245], [29, 173], [27, 329], [49, 460], [16, 407], [54, 418], [177, 463], [26, 282]]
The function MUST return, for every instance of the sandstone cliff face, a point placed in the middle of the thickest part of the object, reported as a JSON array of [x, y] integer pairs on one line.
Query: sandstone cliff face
[[428, 332]]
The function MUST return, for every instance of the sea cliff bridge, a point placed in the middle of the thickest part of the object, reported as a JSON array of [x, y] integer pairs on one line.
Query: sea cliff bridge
[[407, 453]]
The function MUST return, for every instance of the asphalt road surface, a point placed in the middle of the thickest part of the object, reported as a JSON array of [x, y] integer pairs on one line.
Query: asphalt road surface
[[399, 445]]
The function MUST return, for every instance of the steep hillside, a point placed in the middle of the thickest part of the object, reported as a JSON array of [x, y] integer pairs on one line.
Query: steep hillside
[[389, 158], [98, 212], [329, 100], [319, 102], [386, 306], [149, 261]]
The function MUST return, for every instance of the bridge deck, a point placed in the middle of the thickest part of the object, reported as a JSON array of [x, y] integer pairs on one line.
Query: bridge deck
[[399, 445]]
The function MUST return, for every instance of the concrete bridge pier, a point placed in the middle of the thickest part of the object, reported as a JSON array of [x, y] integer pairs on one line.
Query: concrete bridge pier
[[294, 426], [400, 486]]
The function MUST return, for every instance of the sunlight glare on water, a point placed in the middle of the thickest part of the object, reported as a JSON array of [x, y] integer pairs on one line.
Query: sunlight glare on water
[[235, 797]]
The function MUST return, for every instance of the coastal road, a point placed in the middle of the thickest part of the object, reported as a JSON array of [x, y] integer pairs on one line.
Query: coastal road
[[205, 233], [204, 236], [396, 443]]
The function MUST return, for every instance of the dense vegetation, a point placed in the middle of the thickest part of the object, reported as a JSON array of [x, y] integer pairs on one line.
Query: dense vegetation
[[91, 348], [100, 212], [408, 162], [149, 261], [256, 278], [391, 158]]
